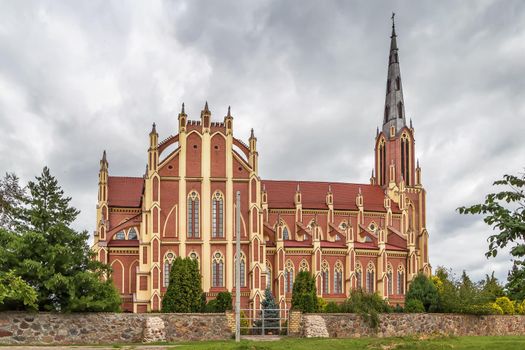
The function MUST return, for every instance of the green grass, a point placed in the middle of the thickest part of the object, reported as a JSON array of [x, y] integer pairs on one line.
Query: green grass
[[492, 343]]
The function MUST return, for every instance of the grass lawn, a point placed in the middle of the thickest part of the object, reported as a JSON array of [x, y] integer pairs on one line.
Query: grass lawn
[[503, 343]]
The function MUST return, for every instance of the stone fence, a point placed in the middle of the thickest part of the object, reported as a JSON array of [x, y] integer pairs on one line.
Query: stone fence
[[105, 328], [24, 328], [395, 325]]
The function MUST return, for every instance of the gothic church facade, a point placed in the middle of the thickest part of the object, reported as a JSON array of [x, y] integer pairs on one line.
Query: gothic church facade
[[371, 236]]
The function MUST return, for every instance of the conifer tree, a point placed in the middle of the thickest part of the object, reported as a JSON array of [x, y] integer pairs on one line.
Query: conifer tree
[[304, 293], [184, 289], [53, 258], [270, 313]]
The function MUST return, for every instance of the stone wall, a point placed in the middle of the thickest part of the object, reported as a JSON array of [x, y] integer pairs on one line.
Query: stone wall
[[100, 328], [393, 325]]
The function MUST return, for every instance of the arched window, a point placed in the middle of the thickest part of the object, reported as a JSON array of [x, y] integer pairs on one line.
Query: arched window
[[303, 266], [359, 276], [388, 86], [370, 278], [398, 83], [268, 276], [193, 215], [217, 215], [399, 110], [132, 233], [217, 270], [387, 110], [381, 156], [120, 235], [400, 280], [338, 278], [405, 158], [242, 269], [285, 233], [168, 262], [325, 276], [288, 276], [390, 281]]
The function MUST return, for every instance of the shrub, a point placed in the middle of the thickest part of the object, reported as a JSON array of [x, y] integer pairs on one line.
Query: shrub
[[423, 289], [398, 309], [506, 305], [520, 307], [304, 293], [484, 309], [224, 301], [367, 305], [414, 306], [497, 310], [245, 324], [332, 308], [184, 290], [321, 305]]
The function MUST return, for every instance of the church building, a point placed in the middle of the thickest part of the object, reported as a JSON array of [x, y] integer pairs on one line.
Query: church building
[[347, 235]]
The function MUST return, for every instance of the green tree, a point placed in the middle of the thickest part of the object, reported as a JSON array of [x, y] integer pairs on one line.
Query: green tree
[[490, 288], [12, 197], [504, 211], [53, 258], [15, 293], [424, 290], [184, 290], [446, 286], [304, 293], [368, 305]]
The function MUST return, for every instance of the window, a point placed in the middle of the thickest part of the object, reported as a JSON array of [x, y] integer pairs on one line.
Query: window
[[217, 215], [325, 276], [288, 277], [132, 234], [388, 86], [398, 83], [370, 278], [217, 270], [400, 280], [387, 110], [285, 233], [304, 266], [359, 276], [338, 278], [405, 158], [390, 281], [168, 261], [120, 235], [193, 215], [242, 269], [400, 110]]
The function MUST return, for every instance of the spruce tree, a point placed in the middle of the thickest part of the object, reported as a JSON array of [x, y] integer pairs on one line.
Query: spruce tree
[[270, 314], [53, 258], [304, 293]]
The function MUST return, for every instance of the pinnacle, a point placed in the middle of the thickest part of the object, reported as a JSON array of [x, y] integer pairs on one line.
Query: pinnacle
[[182, 110], [229, 112], [206, 107]]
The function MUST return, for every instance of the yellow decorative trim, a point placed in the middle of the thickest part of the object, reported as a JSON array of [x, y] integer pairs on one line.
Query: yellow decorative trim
[[125, 210], [123, 251]]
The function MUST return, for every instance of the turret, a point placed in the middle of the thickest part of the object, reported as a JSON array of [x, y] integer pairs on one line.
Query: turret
[[206, 118], [103, 179], [182, 120], [254, 156], [153, 152], [228, 122]]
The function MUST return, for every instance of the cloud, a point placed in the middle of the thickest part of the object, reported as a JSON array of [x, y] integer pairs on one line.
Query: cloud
[[79, 78]]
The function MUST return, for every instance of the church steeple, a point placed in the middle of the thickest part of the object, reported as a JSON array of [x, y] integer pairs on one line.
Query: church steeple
[[394, 113]]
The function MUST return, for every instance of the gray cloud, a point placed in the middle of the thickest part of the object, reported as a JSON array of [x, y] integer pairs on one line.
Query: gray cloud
[[77, 78]]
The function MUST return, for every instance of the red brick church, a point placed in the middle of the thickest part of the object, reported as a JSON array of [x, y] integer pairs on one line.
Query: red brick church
[[348, 235]]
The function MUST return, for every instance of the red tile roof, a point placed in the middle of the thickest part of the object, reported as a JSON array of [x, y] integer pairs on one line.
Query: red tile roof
[[313, 195], [125, 191]]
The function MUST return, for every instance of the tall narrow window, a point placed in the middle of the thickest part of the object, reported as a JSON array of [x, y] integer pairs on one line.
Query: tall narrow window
[[388, 86], [217, 270], [405, 158], [168, 262], [338, 278], [325, 275], [193, 215], [217, 215], [381, 156], [387, 110], [359, 276], [400, 280], [285, 233], [398, 83], [390, 281], [370, 278], [400, 110], [288, 277]]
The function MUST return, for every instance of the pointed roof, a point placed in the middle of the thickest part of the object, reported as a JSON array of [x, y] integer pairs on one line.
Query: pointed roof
[[394, 112]]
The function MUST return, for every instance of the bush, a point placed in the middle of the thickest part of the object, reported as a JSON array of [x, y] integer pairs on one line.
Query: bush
[[321, 304], [224, 301], [484, 309], [304, 294], [506, 305], [414, 306], [497, 310], [332, 308], [367, 305], [398, 309], [520, 309], [422, 289], [184, 290]]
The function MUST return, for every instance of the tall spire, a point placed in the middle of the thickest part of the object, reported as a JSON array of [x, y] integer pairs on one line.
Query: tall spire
[[394, 113]]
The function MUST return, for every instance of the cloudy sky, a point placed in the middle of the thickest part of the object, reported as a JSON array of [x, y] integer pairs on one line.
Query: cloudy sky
[[308, 76]]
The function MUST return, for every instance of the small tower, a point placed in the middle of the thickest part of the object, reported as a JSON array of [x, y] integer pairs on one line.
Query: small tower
[[153, 152], [206, 118], [254, 156], [228, 122], [103, 179], [182, 120]]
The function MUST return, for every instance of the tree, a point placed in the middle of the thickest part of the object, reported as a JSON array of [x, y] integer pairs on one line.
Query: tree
[[270, 313], [184, 290], [12, 197], [367, 305], [15, 293], [304, 293], [504, 211], [490, 288], [53, 258], [422, 289]]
